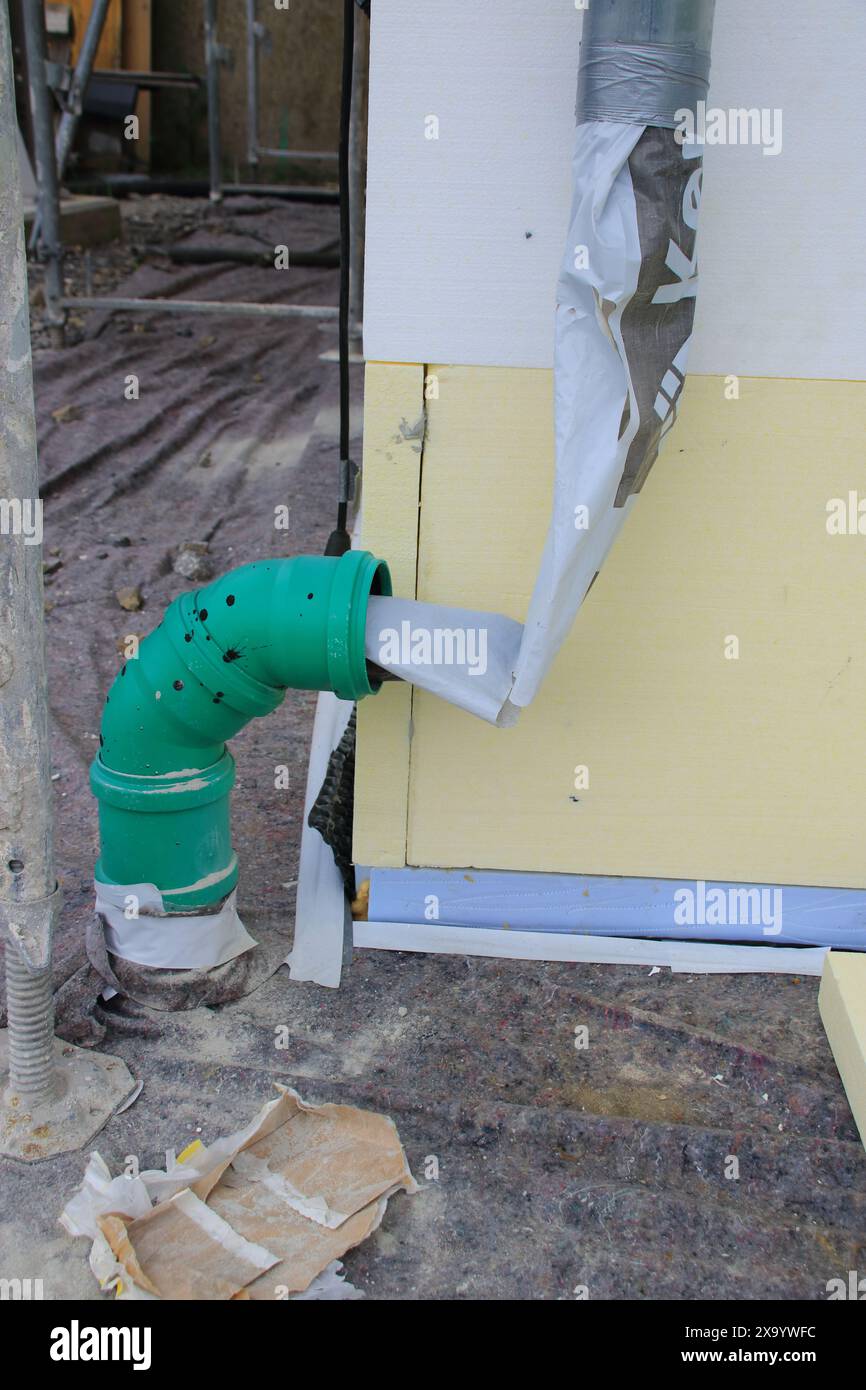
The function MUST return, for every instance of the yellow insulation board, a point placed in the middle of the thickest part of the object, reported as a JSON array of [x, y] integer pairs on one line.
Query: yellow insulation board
[[393, 439], [705, 718]]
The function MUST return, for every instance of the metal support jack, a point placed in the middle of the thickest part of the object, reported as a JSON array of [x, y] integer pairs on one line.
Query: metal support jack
[[53, 1097]]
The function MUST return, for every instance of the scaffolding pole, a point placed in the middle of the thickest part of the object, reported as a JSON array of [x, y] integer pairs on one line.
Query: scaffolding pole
[[48, 1103], [228, 308], [257, 36], [214, 55], [357, 183], [80, 78], [48, 203]]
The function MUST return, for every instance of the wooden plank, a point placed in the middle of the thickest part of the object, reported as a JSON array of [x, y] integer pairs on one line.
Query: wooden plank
[[393, 441], [137, 57], [700, 766], [465, 232], [842, 1004], [108, 54], [85, 220]]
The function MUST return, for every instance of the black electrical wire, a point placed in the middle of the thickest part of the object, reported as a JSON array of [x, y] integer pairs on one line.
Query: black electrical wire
[[339, 540]]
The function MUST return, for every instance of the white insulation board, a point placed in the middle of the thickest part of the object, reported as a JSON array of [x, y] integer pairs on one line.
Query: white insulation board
[[465, 232]]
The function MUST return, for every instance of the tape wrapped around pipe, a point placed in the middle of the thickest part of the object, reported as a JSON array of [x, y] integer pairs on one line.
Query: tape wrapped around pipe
[[138, 929], [640, 83]]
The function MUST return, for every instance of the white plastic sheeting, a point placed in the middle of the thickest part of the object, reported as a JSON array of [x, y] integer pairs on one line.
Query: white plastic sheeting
[[599, 275], [625, 305], [321, 912]]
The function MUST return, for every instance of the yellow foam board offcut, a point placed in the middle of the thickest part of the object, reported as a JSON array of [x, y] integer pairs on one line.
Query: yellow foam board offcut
[[842, 1004]]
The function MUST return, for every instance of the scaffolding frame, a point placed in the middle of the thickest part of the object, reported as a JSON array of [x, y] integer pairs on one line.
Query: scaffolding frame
[[258, 38], [51, 155]]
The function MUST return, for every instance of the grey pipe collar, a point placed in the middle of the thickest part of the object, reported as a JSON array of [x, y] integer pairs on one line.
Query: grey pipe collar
[[642, 61]]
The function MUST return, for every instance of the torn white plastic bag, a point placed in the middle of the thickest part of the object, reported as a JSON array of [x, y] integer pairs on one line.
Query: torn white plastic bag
[[624, 314], [625, 308]]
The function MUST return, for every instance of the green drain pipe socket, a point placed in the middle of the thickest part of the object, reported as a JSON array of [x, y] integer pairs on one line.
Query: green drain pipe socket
[[221, 656]]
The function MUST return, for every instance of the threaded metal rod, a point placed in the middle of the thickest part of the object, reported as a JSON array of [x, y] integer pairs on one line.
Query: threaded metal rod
[[30, 1006]]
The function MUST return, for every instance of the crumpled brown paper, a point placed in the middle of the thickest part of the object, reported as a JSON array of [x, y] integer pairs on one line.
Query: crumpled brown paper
[[259, 1214]]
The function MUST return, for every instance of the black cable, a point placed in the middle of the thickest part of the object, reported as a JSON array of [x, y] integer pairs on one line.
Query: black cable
[[339, 540]]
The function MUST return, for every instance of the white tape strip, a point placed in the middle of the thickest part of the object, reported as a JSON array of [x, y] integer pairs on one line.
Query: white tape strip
[[221, 1232], [686, 957], [313, 1208], [138, 929]]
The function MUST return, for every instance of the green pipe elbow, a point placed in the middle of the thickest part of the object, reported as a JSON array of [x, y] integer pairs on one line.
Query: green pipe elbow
[[221, 656]]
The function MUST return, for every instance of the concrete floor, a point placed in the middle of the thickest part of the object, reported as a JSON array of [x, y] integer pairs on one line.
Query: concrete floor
[[558, 1170]]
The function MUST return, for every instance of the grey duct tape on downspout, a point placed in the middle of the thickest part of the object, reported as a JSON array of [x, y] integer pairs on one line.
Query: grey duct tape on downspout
[[644, 61]]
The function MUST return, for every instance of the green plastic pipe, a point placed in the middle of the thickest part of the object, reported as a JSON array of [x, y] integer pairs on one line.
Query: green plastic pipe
[[220, 657]]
